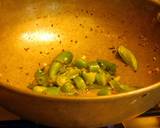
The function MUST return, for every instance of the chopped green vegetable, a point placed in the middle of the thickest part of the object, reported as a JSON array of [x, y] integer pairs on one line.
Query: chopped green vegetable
[[89, 77], [68, 78], [81, 63], [94, 67], [127, 88], [104, 91], [64, 57], [106, 65], [128, 57], [68, 88], [52, 91], [39, 89], [118, 87], [95, 86], [72, 94], [41, 77], [53, 70], [62, 69], [72, 72], [109, 76], [79, 83], [62, 80], [101, 78]]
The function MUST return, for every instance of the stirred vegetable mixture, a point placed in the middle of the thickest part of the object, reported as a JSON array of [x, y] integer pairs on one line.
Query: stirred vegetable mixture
[[66, 76]]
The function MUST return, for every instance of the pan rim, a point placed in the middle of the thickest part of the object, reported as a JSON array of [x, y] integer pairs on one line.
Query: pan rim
[[79, 98]]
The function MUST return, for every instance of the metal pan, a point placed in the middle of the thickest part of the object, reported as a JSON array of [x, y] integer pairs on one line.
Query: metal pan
[[34, 31]]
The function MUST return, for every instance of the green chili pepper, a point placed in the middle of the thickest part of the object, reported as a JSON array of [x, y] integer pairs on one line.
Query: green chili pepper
[[109, 76], [68, 88], [101, 78], [120, 87], [89, 77], [72, 78], [52, 91], [116, 86], [62, 69], [53, 70], [106, 65], [39, 89], [64, 57], [62, 80], [81, 63], [95, 86], [128, 57], [41, 77], [127, 88], [94, 67], [72, 93], [72, 72], [104, 91], [79, 83]]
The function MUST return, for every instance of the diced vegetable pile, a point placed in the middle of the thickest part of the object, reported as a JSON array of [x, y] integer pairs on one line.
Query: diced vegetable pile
[[66, 76]]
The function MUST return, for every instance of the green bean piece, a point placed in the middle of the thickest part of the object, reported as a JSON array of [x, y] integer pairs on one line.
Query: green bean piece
[[62, 80], [109, 76], [53, 70], [73, 79], [39, 89], [128, 57], [89, 77], [72, 72], [41, 77], [64, 57], [79, 83], [95, 86], [62, 70], [101, 78], [104, 91], [68, 88], [52, 91], [94, 67], [116, 86], [81, 63], [120, 87], [127, 88], [72, 93], [106, 65]]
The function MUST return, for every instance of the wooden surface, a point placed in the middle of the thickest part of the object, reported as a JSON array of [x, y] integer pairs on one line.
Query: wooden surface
[[5, 115]]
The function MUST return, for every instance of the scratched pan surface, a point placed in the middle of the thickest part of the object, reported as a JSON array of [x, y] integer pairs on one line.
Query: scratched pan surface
[[33, 32]]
